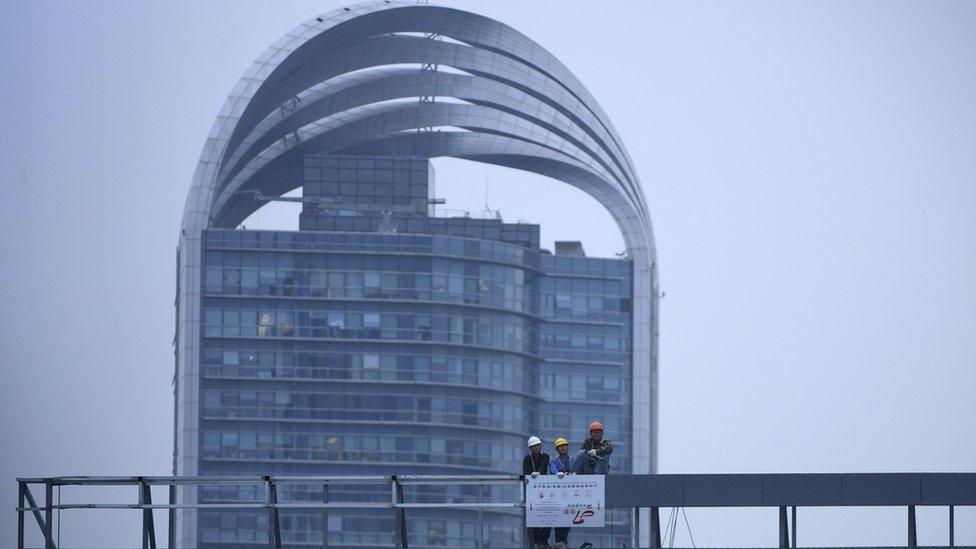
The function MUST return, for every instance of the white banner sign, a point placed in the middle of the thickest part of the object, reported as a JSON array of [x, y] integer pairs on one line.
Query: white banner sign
[[576, 501]]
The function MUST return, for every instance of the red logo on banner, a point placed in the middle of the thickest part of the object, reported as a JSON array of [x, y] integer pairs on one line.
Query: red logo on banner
[[580, 517]]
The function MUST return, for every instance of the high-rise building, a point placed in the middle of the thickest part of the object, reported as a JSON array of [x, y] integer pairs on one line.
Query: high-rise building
[[382, 337]]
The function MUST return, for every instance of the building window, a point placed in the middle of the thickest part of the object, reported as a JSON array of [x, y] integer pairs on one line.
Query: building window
[[232, 322], [337, 320], [266, 324]]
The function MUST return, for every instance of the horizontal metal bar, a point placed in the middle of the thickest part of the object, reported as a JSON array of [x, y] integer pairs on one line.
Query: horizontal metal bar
[[335, 505], [459, 479], [127, 481], [514, 505], [332, 480], [137, 506], [310, 505], [279, 505], [161, 481], [806, 490], [693, 490], [470, 478]]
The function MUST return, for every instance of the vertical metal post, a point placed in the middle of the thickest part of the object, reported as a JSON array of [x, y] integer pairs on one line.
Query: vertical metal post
[[171, 527], [635, 528], [481, 517], [952, 525], [526, 538], [145, 521], [655, 528], [267, 504], [325, 516], [277, 515], [912, 535], [48, 515], [784, 529], [396, 514], [794, 527], [36, 511], [148, 525], [21, 489], [399, 513], [274, 527]]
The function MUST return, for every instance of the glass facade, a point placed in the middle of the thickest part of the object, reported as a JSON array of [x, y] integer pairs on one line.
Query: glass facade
[[380, 339]]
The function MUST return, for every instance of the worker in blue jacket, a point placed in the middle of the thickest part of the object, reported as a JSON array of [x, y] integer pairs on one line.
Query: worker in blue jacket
[[561, 465]]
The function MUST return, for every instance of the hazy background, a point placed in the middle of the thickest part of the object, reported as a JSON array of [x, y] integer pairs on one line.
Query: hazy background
[[811, 173]]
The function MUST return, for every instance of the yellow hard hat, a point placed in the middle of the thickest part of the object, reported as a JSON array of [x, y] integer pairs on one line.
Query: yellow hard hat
[[559, 442]]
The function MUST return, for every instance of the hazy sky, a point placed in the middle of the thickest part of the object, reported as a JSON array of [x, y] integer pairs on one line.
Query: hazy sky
[[811, 173]]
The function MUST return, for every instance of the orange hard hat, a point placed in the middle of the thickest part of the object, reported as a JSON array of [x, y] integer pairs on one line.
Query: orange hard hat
[[596, 426]]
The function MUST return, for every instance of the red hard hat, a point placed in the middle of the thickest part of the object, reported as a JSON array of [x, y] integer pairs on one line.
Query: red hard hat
[[596, 426]]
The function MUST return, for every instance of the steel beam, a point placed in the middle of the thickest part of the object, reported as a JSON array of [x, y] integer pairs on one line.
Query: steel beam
[[21, 488], [400, 514], [49, 515], [784, 529], [912, 533], [171, 527], [325, 516], [526, 537], [794, 527], [481, 518], [786, 492], [802, 490], [274, 527], [655, 528], [635, 528], [148, 524], [36, 511], [952, 526]]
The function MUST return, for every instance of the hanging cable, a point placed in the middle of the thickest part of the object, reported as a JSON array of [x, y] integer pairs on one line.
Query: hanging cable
[[667, 527], [688, 526], [672, 526]]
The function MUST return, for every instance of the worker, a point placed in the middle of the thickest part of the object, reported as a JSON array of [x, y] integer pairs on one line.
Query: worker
[[560, 466], [536, 463], [562, 463], [594, 455]]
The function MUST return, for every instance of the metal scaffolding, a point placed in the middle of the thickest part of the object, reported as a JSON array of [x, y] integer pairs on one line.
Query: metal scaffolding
[[633, 492]]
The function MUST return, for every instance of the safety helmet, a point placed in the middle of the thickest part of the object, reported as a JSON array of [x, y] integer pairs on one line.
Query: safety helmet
[[533, 441], [596, 426], [559, 442]]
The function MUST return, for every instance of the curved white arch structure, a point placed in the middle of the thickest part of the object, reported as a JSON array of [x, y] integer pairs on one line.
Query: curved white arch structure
[[337, 84]]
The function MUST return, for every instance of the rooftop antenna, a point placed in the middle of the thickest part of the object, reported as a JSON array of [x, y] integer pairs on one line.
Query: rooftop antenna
[[488, 213], [487, 207]]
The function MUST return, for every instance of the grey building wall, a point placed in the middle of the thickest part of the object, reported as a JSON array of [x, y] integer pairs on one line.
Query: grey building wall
[[369, 349], [337, 84]]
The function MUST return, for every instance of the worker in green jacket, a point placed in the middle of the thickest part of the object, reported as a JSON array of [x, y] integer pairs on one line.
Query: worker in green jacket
[[594, 455]]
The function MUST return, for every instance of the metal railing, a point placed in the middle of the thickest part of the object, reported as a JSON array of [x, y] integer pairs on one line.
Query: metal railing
[[271, 503], [643, 494]]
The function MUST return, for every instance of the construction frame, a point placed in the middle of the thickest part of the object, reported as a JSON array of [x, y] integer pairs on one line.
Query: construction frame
[[787, 492]]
